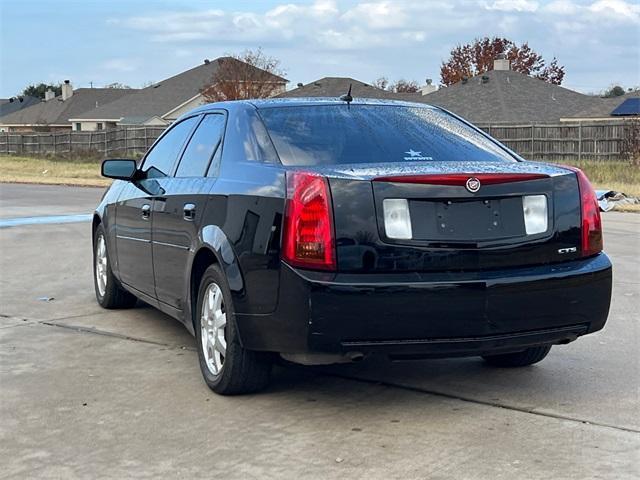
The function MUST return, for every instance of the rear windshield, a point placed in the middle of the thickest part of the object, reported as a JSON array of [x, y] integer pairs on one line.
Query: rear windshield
[[341, 134]]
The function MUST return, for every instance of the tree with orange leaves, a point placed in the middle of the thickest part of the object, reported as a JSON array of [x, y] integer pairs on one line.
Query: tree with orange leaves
[[476, 58]]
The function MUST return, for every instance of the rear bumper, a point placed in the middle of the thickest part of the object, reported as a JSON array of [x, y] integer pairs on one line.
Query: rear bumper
[[433, 314]]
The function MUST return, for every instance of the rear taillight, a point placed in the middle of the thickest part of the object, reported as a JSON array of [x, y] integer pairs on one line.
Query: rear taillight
[[590, 210], [307, 237]]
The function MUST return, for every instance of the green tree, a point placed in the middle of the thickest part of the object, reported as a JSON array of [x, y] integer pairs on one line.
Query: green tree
[[614, 91], [37, 90]]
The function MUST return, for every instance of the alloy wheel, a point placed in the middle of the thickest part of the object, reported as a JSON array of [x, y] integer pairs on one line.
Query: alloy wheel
[[213, 322], [101, 266]]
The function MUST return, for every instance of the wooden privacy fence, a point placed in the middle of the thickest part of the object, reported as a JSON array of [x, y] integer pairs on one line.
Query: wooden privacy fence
[[564, 141], [124, 141]]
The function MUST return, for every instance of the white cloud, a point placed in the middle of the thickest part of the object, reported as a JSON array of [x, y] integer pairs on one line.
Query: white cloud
[[378, 15], [322, 23], [617, 9], [379, 36], [561, 7], [514, 6]]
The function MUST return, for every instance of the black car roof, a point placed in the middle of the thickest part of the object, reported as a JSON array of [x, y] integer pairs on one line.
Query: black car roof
[[299, 102]]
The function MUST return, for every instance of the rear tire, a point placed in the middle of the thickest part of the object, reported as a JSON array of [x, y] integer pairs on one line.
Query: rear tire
[[227, 367], [109, 293], [518, 359]]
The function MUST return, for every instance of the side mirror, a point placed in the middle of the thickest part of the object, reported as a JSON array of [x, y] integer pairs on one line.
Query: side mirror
[[119, 169]]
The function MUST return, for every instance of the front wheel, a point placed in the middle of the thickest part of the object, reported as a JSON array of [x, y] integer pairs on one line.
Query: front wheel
[[227, 367], [519, 359]]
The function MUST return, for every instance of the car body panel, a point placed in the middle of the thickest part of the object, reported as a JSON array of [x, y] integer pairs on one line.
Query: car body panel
[[175, 233], [413, 312], [397, 297], [133, 238]]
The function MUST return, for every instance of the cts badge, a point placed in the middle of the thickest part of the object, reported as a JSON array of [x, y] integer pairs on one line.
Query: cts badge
[[473, 184]]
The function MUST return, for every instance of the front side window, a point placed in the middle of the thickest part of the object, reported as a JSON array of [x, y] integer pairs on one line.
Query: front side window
[[202, 146], [163, 155], [343, 134]]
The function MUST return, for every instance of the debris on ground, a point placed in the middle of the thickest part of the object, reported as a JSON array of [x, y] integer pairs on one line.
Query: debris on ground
[[46, 299], [611, 200]]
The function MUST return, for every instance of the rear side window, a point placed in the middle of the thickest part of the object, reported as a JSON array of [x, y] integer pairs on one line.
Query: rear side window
[[341, 134], [246, 139], [160, 160], [202, 146]]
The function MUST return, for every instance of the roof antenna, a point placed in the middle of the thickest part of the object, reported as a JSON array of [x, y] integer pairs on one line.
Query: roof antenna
[[347, 96]]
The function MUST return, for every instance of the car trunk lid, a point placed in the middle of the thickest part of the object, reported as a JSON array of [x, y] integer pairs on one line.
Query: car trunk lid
[[455, 226]]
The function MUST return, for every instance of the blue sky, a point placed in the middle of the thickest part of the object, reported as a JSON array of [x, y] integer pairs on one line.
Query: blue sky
[[137, 42]]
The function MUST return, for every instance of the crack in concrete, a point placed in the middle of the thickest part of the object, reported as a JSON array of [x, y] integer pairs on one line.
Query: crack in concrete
[[531, 411], [120, 336]]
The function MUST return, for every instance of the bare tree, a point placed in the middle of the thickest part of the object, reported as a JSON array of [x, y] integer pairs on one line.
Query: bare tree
[[250, 74], [405, 86], [399, 86], [382, 83], [630, 148], [117, 85]]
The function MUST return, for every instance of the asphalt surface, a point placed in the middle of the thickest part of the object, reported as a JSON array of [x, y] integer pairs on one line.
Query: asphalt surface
[[89, 393]]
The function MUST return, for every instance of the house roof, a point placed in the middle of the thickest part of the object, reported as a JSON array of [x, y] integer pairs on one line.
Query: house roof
[[603, 107], [162, 97], [58, 112], [7, 106], [336, 86], [505, 96]]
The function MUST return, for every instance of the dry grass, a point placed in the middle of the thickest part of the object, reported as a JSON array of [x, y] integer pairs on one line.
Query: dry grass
[[51, 171], [611, 175], [619, 176], [628, 208]]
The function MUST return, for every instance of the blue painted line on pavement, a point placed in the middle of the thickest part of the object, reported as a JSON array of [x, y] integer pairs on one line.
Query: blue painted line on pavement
[[17, 222]]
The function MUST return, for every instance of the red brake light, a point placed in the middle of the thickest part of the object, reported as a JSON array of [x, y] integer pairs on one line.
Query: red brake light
[[307, 238], [591, 221]]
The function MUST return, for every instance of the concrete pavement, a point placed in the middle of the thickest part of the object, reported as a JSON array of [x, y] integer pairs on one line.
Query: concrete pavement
[[88, 393]]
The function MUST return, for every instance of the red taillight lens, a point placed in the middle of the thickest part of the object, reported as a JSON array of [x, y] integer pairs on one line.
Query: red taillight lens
[[307, 237], [591, 221]]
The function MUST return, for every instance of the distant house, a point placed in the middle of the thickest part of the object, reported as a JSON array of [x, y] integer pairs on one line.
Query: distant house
[[160, 103], [53, 113], [336, 86], [607, 109], [500, 96], [11, 105]]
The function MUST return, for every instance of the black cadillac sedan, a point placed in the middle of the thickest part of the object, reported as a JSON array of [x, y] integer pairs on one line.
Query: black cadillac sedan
[[322, 231]]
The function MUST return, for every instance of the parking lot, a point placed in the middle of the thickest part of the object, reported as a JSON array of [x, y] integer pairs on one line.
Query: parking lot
[[90, 393]]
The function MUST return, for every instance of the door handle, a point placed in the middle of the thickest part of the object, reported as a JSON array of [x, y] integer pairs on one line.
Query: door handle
[[189, 212], [146, 211]]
